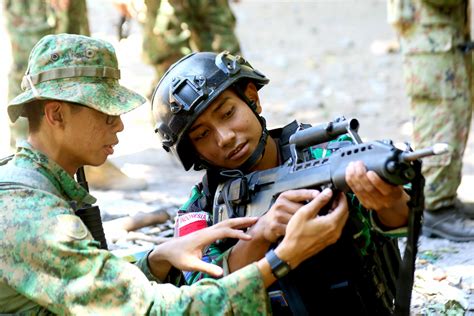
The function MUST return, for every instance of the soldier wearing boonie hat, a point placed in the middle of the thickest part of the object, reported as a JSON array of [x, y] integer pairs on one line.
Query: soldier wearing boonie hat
[[49, 262], [78, 69]]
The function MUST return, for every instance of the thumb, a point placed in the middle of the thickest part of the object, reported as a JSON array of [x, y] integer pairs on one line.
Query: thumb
[[312, 208], [208, 268]]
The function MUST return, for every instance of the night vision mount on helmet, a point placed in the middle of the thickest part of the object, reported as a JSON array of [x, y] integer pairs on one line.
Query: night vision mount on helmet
[[188, 88]]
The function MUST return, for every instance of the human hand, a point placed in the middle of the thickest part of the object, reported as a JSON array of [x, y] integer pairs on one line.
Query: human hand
[[185, 253], [308, 233], [374, 193], [272, 225]]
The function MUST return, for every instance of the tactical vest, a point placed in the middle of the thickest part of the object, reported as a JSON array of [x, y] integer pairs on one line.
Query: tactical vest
[[24, 178], [355, 276]]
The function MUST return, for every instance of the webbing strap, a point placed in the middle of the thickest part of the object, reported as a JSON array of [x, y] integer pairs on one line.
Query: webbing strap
[[407, 269], [25, 178], [69, 72]]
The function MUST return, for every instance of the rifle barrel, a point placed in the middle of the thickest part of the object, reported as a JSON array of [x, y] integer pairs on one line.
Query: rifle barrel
[[436, 149]]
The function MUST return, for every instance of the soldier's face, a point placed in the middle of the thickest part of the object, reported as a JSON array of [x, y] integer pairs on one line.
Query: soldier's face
[[89, 135], [227, 132]]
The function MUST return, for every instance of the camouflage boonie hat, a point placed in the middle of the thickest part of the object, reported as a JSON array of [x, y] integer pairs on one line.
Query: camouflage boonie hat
[[75, 68]]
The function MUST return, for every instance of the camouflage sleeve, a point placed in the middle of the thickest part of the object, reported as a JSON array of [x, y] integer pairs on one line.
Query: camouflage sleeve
[[444, 3], [396, 232], [366, 226], [50, 259]]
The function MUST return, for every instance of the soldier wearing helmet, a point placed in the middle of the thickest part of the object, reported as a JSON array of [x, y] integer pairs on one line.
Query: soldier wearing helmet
[[50, 263], [179, 100], [207, 111]]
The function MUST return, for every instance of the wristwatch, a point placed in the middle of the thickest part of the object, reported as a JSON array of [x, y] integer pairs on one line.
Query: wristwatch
[[279, 267]]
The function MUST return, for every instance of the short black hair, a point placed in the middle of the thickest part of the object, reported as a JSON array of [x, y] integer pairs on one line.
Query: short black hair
[[34, 112]]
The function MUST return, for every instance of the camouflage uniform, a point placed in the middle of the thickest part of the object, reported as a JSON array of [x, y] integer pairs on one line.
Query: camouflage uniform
[[49, 262], [438, 81], [27, 21], [175, 28]]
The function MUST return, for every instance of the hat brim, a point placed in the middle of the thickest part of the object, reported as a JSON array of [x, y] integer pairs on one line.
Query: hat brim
[[106, 96]]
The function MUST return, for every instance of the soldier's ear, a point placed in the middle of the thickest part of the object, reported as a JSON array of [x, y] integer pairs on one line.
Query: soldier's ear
[[54, 113], [251, 92]]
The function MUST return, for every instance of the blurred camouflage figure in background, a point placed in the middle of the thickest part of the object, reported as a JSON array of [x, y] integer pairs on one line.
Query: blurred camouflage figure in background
[[27, 21], [437, 63], [175, 28]]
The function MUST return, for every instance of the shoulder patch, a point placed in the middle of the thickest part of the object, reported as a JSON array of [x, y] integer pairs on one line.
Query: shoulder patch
[[72, 226], [191, 222]]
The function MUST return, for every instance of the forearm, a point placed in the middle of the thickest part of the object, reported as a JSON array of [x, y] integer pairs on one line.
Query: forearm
[[246, 252], [267, 277]]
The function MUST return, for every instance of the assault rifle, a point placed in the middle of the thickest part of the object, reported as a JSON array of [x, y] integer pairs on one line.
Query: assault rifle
[[254, 193]]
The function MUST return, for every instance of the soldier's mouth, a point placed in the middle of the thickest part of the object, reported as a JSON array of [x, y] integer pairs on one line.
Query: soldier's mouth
[[109, 149], [238, 152]]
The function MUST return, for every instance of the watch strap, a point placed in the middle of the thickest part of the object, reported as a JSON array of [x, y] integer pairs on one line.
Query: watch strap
[[279, 267]]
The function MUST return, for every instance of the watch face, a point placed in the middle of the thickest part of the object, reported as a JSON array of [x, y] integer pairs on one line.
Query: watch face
[[279, 267], [281, 270]]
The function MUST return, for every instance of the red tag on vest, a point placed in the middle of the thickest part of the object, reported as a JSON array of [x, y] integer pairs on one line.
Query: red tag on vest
[[191, 222]]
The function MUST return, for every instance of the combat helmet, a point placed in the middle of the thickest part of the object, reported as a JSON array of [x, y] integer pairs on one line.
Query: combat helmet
[[186, 90]]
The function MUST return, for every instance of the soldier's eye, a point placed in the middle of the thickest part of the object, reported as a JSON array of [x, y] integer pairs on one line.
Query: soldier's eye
[[200, 135], [229, 112]]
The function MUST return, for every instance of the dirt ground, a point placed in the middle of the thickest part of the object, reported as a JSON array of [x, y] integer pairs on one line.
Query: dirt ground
[[324, 59]]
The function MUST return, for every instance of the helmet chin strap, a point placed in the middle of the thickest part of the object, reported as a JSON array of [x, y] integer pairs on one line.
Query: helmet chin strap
[[259, 151]]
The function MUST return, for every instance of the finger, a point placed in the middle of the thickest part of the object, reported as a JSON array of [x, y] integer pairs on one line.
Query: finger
[[280, 230], [350, 173], [341, 211], [352, 178], [384, 187], [319, 200], [231, 233], [282, 218], [208, 268], [301, 195], [361, 185], [285, 206], [240, 222], [358, 177], [338, 216], [209, 235]]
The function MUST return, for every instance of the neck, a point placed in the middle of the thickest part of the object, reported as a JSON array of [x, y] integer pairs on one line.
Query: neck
[[270, 157], [48, 146]]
